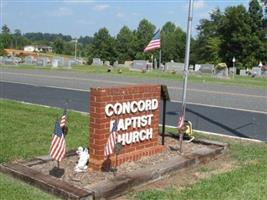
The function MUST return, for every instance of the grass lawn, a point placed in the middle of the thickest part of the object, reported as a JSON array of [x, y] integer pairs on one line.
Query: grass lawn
[[246, 181], [157, 74], [26, 132]]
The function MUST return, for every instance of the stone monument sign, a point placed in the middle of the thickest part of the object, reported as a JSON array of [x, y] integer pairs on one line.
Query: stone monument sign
[[136, 110]]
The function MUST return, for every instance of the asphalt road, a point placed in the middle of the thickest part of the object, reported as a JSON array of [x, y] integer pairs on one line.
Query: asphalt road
[[197, 93], [233, 122]]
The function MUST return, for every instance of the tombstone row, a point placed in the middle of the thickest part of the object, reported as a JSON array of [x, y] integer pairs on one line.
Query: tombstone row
[[55, 62]]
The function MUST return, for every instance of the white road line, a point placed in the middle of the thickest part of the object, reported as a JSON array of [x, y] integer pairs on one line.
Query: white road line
[[223, 107], [220, 135], [221, 93], [45, 106], [168, 126], [123, 83], [188, 103], [67, 78]]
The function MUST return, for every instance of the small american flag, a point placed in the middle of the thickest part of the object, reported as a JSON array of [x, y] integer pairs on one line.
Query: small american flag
[[58, 147], [180, 121], [63, 120], [154, 43], [109, 148]]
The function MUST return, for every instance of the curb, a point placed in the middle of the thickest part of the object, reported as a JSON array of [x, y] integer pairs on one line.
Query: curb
[[116, 186]]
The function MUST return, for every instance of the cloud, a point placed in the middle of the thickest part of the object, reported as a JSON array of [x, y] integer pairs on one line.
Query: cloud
[[61, 12], [135, 14], [199, 4], [120, 15], [101, 7], [78, 1], [85, 22]]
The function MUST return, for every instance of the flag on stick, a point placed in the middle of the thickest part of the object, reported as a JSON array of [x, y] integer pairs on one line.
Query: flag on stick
[[154, 43], [109, 148], [180, 122], [58, 147], [63, 120]]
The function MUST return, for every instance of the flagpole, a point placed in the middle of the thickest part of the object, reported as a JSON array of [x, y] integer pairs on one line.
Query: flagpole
[[187, 52], [159, 58]]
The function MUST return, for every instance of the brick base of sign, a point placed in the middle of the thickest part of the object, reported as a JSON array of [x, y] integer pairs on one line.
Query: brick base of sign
[[127, 157], [141, 135]]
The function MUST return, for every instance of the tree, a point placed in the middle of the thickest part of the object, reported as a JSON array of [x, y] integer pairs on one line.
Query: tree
[[58, 46], [172, 43], [103, 45], [17, 36], [256, 16], [238, 38], [143, 35], [125, 45], [207, 46], [5, 29]]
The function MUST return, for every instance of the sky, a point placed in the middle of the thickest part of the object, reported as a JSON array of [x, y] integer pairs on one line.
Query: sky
[[85, 17]]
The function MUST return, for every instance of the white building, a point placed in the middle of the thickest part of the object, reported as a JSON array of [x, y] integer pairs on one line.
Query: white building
[[29, 48], [44, 49]]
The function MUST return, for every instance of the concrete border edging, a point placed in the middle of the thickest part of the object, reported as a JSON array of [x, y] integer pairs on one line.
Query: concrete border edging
[[116, 186]]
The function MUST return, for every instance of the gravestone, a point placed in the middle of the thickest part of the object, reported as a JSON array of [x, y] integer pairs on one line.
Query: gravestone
[[155, 63], [42, 61], [9, 60], [54, 63], [107, 63], [256, 71], [97, 61], [116, 64], [220, 73], [207, 68], [128, 64], [60, 60], [232, 70], [243, 72], [139, 65], [174, 67], [221, 70], [68, 64], [29, 60], [197, 67]]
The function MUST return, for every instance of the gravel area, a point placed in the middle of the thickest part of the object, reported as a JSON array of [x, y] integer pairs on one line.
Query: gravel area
[[90, 177]]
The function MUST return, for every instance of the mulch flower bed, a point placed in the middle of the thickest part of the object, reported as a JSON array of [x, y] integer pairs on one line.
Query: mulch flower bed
[[89, 177]]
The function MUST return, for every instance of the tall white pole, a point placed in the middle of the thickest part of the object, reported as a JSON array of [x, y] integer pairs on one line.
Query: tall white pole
[[187, 52], [186, 66], [159, 58], [76, 49]]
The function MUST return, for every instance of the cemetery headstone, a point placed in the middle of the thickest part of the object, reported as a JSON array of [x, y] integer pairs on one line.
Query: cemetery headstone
[[128, 64], [116, 64], [221, 70], [107, 63], [174, 67], [243, 72], [54, 63], [42, 61], [139, 65], [28, 60], [256, 71], [197, 67], [97, 61], [60, 60], [232, 70], [9, 60], [207, 68]]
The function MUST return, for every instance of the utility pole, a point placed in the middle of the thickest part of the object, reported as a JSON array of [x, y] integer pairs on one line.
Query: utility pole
[[186, 65], [76, 49]]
